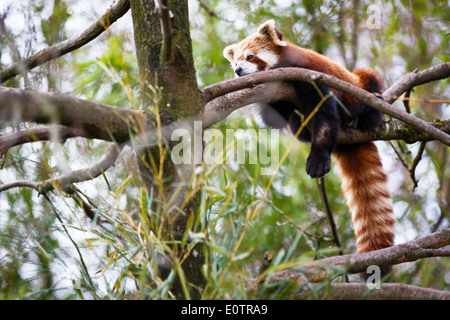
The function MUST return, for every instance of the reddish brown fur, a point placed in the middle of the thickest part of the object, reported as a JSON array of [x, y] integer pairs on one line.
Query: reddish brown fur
[[364, 181], [361, 170], [261, 65], [305, 58], [254, 44], [365, 185]]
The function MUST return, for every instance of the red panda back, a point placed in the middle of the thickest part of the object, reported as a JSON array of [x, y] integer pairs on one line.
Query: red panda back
[[368, 80]]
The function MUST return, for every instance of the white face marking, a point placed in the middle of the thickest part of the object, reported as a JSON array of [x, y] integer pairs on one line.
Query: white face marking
[[270, 58], [247, 67]]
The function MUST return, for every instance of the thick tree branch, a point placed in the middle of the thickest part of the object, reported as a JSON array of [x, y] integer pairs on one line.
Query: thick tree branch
[[300, 74], [391, 130], [219, 108], [112, 14], [359, 291], [92, 118], [224, 104], [425, 247]]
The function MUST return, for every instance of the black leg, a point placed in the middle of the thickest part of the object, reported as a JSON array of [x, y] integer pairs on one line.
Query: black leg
[[323, 127], [324, 132]]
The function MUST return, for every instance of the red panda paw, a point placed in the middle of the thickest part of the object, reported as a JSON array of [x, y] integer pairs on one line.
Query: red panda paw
[[318, 164]]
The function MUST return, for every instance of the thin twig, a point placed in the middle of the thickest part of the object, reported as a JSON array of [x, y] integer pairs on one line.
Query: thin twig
[[406, 101], [412, 170], [64, 181], [88, 210], [211, 12], [400, 158], [37, 134], [19, 183], [164, 16], [323, 192]]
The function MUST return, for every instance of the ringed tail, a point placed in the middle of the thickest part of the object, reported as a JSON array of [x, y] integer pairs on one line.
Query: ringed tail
[[364, 183]]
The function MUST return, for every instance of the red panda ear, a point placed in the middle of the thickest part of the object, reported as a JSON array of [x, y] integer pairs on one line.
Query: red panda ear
[[268, 30], [279, 34], [228, 52]]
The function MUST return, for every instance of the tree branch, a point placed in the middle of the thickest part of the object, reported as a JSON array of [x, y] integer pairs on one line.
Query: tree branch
[[299, 74], [20, 183], [391, 130], [64, 181], [359, 291], [112, 14], [219, 108], [415, 78], [221, 103], [93, 119], [38, 134], [163, 11], [89, 119], [425, 247]]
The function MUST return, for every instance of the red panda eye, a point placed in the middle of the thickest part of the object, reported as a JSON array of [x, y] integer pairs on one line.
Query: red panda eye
[[249, 57]]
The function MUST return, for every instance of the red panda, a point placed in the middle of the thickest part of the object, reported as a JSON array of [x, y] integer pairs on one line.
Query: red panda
[[364, 181]]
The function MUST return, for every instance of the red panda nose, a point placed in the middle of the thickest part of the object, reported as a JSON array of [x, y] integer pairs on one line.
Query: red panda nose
[[238, 71]]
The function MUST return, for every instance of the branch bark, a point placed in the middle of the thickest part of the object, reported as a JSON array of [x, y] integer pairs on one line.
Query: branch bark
[[82, 118], [93, 119], [392, 130], [425, 247], [299, 74], [220, 104], [359, 291], [169, 88], [112, 14]]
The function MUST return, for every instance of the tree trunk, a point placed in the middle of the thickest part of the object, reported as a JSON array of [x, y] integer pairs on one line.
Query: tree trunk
[[169, 92]]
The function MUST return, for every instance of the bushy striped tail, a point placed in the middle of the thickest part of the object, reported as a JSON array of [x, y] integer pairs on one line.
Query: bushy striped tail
[[364, 183]]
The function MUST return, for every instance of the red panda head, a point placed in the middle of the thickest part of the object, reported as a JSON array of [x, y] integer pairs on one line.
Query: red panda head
[[258, 52]]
